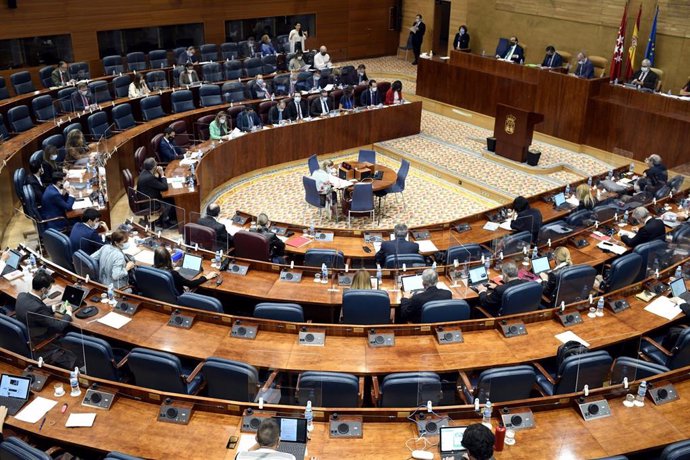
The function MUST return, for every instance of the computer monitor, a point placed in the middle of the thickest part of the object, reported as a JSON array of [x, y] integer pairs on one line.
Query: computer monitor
[[540, 264], [451, 440]]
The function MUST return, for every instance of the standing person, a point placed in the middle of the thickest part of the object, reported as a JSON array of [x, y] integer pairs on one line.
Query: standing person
[[417, 32], [462, 39], [138, 87], [394, 93], [113, 263], [297, 39]]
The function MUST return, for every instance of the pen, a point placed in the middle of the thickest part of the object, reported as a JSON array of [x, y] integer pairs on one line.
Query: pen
[[42, 422]]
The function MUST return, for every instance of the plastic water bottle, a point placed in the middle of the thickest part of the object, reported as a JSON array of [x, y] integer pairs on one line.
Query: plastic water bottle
[[589, 181], [101, 200], [32, 262], [379, 276], [111, 292], [192, 170], [487, 263], [324, 273], [486, 415], [626, 216], [567, 190], [641, 393], [535, 252], [679, 273], [600, 307], [312, 232], [74, 382], [632, 168], [309, 416], [216, 259], [610, 174]]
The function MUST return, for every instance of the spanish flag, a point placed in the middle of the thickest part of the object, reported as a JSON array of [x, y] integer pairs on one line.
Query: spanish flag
[[633, 47]]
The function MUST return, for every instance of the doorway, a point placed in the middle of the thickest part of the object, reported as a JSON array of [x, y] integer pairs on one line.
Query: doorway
[[441, 26]]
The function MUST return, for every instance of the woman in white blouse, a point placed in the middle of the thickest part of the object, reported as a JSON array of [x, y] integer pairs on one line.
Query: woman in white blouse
[[297, 38], [138, 87]]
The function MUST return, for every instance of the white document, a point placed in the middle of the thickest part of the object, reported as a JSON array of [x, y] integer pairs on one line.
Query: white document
[[664, 307], [442, 285], [187, 162], [627, 233], [505, 225], [75, 173], [176, 180], [573, 201], [114, 320], [80, 420], [36, 410], [427, 246], [82, 204], [566, 336], [144, 257], [133, 250], [230, 226], [247, 441], [614, 248], [377, 246], [177, 185], [491, 226]]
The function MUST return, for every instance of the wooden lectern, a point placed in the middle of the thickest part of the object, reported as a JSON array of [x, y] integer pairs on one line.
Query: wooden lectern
[[513, 131]]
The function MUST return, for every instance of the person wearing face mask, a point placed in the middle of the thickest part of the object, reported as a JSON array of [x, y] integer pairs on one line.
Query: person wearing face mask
[[260, 89], [249, 49], [167, 149], [85, 233], [585, 68], [347, 101], [189, 56], [278, 114], [60, 75], [55, 203], [552, 60], [297, 108], [44, 323], [462, 39], [417, 32], [293, 83], [321, 106], [267, 48], [318, 82], [297, 39], [650, 228], [515, 53], [248, 120], [49, 163], [362, 78], [151, 183], [277, 247], [35, 181], [189, 76], [645, 77], [370, 97], [325, 186], [322, 60], [297, 62], [76, 147], [219, 127], [394, 95], [113, 264], [163, 261], [138, 87], [81, 98]]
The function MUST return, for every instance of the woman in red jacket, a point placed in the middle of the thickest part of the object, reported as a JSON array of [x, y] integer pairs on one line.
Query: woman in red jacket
[[394, 94]]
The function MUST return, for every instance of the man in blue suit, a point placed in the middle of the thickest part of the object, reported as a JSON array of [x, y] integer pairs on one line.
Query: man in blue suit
[[56, 202], [248, 120], [514, 53], [167, 149], [398, 246], [370, 96], [552, 60], [85, 235], [585, 68]]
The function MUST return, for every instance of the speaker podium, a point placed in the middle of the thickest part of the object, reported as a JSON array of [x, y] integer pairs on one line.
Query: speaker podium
[[513, 131]]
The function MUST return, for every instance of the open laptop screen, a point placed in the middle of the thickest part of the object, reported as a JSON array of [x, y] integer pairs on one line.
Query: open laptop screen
[[540, 264], [191, 262], [478, 275], [558, 199], [12, 386], [412, 283], [451, 439], [678, 287], [293, 429]]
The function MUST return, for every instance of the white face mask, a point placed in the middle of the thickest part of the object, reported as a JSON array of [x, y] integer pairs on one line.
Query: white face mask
[[84, 91], [373, 88], [260, 81], [323, 98], [53, 157], [125, 246], [581, 61], [95, 225], [222, 120], [298, 99], [645, 69]]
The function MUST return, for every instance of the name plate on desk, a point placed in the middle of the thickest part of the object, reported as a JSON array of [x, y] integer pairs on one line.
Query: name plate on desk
[[291, 276], [242, 330], [240, 270], [446, 336], [380, 339], [326, 237], [513, 330], [181, 320], [312, 338]]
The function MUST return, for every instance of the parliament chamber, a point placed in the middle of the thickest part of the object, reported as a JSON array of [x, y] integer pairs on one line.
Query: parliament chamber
[[582, 355]]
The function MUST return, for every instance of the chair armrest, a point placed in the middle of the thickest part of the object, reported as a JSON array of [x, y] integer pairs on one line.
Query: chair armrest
[[375, 391], [360, 394], [269, 382], [656, 345], [54, 450], [484, 312], [122, 362], [539, 389], [44, 343], [194, 373], [464, 381], [541, 369]]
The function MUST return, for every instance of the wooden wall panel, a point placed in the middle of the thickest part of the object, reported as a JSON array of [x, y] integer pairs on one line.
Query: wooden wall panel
[[604, 12]]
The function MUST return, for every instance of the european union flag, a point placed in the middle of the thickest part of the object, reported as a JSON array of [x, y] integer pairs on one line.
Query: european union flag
[[651, 43]]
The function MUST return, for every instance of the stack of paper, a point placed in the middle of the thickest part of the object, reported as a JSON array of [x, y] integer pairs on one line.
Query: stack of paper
[[114, 320], [427, 246], [80, 420], [491, 226], [36, 410], [664, 307], [570, 335]]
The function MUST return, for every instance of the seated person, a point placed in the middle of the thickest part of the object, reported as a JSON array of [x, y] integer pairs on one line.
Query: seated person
[[347, 101], [163, 261], [515, 53], [151, 184], [260, 89], [479, 442], [297, 108], [249, 49], [42, 322], [267, 47], [138, 87], [85, 235], [297, 62], [490, 298], [655, 176], [394, 95], [552, 60], [219, 126], [277, 247], [685, 90], [60, 75], [583, 193], [321, 106], [585, 67], [411, 304], [370, 96], [292, 89], [223, 238], [561, 257], [267, 441], [188, 57], [645, 77], [81, 98], [324, 185], [56, 201], [49, 164], [462, 39], [322, 60], [317, 81], [362, 78], [398, 246], [167, 149], [278, 114], [361, 280], [652, 228], [526, 218], [188, 76], [248, 120], [113, 264], [77, 149], [35, 181]]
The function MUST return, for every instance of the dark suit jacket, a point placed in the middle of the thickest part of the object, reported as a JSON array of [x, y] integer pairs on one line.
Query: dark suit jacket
[[243, 120], [254, 90], [273, 115], [657, 175], [585, 70], [530, 220], [518, 55], [649, 80], [181, 282], [320, 84], [168, 151], [366, 99], [82, 235], [461, 41], [151, 186], [55, 204], [359, 79], [418, 36], [184, 58], [316, 108], [40, 319], [411, 309], [399, 245], [277, 247], [223, 239], [292, 109], [491, 300], [78, 100], [652, 230], [57, 81], [38, 188], [554, 61]]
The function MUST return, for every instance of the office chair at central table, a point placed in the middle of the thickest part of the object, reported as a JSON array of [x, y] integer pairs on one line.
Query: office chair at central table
[[311, 194], [204, 236], [362, 201], [398, 187]]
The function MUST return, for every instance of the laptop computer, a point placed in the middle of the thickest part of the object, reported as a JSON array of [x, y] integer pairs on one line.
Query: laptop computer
[[74, 295], [450, 443], [478, 276], [412, 283], [13, 262], [293, 436], [14, 392], [191, 266], [679, 290], [540, 265]]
